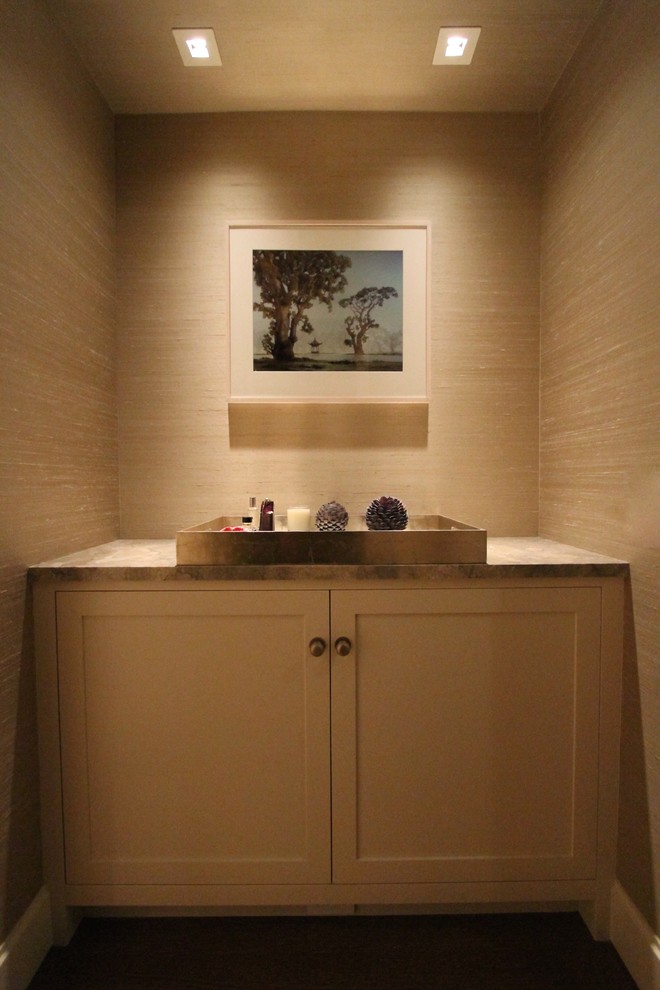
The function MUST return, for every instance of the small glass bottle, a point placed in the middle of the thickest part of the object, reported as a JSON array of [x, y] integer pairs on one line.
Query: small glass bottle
[[250, 520]]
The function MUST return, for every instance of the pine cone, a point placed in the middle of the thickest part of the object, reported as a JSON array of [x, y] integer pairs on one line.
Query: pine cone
[[331, 518], [386, 512]]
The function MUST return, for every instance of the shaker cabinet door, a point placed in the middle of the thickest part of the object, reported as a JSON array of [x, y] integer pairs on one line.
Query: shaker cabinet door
[[465, 734], [195, 728]]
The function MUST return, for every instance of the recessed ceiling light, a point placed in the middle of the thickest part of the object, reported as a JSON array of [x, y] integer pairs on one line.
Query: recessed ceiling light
[[197, 46], [456, 45]]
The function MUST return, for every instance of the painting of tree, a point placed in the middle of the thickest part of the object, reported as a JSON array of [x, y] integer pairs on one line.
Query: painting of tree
[[290, 282], [361, 322], [294, 297]]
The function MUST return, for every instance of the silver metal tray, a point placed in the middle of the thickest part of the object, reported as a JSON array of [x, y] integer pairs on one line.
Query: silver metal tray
[[427, 540]]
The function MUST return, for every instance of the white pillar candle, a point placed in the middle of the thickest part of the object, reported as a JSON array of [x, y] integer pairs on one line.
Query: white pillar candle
[[298, 518]]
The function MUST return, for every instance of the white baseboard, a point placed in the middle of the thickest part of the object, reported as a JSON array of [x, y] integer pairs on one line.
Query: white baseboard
[[24, 949], [635, 941]]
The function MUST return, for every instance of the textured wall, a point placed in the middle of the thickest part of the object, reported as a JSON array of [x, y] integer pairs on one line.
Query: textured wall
[[182, 179], [600, 368], [58, 457], [475, 180]]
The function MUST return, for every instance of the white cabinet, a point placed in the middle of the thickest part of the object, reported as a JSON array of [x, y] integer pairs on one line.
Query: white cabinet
[[461, 749], [465, 735], [195, 730]]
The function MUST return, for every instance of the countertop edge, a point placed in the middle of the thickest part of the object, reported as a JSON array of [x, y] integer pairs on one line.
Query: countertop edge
[[155, 560]]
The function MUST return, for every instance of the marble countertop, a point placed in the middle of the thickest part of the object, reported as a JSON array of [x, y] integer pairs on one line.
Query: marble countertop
[[155, 560]]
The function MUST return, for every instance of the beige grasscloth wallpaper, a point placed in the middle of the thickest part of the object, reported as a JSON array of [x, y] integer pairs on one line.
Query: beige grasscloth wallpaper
[[182, 179], [58, 429], [600, 368], [552, 228]]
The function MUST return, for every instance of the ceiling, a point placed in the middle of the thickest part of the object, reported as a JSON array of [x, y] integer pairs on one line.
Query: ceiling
[[325, 54]]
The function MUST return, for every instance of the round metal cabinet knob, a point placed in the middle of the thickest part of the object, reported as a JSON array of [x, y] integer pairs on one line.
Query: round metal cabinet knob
[[317, 646], [343, 646]]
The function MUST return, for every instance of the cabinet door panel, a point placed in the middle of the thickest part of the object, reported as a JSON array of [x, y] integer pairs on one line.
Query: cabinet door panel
[[194, 737], [465, 735]]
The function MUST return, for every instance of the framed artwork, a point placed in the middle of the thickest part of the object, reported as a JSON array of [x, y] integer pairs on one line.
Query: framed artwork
[[328, 312]]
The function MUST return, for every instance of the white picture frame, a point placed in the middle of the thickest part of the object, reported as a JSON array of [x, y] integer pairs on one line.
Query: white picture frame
[[392, 365]]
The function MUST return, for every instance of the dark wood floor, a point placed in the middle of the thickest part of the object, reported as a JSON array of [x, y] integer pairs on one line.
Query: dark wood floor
[[482, 952]]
